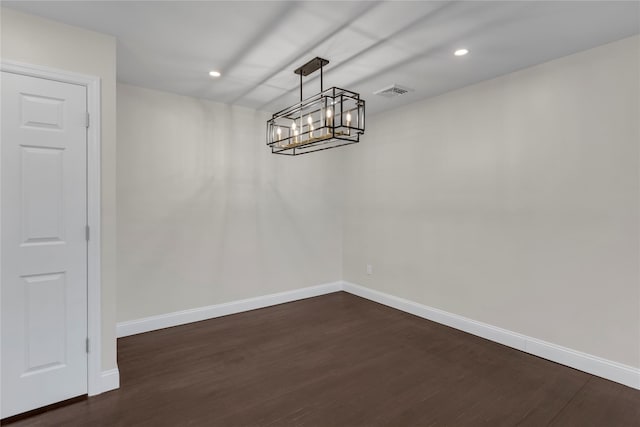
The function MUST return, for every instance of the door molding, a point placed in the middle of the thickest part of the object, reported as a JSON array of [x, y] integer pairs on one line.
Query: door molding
[[94, 316]]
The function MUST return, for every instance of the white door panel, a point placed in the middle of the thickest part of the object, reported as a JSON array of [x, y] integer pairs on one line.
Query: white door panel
[[44, 249]]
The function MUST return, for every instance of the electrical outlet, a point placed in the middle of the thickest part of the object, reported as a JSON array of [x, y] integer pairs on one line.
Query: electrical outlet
[[369, 269]]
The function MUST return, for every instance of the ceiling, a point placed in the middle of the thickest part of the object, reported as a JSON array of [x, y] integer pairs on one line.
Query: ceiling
[[172, 45]]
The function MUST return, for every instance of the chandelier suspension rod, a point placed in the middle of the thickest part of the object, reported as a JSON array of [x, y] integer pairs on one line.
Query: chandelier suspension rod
[[321, 83], [309, 68]]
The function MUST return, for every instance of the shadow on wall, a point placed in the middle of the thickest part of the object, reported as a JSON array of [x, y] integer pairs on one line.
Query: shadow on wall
[[208, 215]]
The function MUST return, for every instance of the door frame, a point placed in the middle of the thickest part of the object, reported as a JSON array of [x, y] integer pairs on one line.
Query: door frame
[[94, 316]]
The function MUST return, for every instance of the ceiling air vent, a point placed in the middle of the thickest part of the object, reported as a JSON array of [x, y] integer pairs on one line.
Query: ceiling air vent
[[392, 91]]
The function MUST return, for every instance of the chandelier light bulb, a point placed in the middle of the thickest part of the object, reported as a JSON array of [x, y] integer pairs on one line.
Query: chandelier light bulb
[[329, 121]]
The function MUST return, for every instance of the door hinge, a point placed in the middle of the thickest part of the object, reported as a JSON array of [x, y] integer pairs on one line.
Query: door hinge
[[87, 232], [87, 345], [88, 120]]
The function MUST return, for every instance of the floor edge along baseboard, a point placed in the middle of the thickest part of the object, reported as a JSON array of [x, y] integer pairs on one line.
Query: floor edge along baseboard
[[594, 365], [588, 363], [182, 317]]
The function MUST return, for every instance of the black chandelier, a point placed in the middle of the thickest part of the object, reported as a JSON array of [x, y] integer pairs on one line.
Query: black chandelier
[[329, 119]]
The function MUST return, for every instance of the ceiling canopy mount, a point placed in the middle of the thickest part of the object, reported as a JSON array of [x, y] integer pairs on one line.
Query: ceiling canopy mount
[[314, 65]]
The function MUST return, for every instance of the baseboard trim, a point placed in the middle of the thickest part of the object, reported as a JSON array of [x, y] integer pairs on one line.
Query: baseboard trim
[[177, 318], [594, 365], [109, 380]]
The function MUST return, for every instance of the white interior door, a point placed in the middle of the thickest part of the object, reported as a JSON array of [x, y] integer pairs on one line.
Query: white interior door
[[44, 248]]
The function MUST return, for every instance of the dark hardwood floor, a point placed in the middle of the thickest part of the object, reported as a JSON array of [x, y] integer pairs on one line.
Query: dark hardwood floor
[[339, 360]]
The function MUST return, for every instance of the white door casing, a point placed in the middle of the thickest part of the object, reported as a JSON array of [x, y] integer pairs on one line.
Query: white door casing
[[44, 247]]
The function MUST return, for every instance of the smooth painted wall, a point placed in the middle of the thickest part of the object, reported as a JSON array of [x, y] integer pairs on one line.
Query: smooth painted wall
[[207, 215], [33, 40], [512, 202]]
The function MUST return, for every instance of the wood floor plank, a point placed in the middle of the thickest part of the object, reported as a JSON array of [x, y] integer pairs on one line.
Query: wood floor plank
[[338, 360], [599, 403]]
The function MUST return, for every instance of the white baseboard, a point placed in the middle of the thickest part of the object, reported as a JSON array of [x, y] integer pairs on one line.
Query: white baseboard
[[598, 366], [109, 380], [585, 362], [153, 323]]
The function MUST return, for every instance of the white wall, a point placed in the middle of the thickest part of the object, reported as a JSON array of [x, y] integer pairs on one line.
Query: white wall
[[207, 215], [512, 202], [33, 40]]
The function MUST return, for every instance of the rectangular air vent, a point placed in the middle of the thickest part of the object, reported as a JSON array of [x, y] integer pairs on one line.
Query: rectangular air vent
[[392, 91]]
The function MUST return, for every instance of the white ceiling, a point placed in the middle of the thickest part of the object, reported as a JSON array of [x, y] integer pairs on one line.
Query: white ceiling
[[171, 45]]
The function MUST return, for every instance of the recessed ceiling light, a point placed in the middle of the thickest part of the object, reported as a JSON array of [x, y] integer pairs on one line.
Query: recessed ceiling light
[[214, 73], [461, 52]]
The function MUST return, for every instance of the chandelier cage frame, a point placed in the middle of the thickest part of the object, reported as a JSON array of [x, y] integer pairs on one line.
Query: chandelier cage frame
[[331, 118]]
